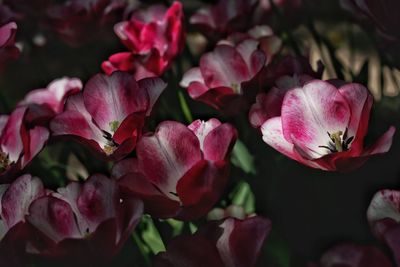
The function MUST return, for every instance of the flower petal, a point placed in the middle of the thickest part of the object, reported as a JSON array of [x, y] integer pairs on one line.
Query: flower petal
[[309, 113], [110, 99], [168, 154], [154, 88]]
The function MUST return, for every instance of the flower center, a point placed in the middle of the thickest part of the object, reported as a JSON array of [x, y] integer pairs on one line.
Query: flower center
[[4, 161], [236, 88], [110, 145], [338, 142]]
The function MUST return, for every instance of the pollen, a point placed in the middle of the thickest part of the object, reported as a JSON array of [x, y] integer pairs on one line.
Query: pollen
[[114, 126], [4, 161], [109, 149]]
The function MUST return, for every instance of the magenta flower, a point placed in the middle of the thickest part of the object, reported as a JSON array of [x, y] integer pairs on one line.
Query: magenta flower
[[18, 144], [8, 50], [45, 103], [180, 171], [110, 112], [129, 62], [323, 126], [351, 255], [15, 200], [86, 223], [384, 217], [76, 21], [157, 34], [228, 243], [227, 77]]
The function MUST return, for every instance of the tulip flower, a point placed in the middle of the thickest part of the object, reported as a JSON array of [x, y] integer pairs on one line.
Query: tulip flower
[[351, 255], [384, 217], [323, 125], [15, 200], [18, 144], [110, 113], [228, 243], [227, 77], [45, 103], [157, 34], [8, 50], [180, 171], [82, 223]]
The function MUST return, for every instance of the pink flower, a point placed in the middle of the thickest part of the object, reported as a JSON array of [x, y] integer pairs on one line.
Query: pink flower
[[82, 223], [228, 243], [77, 21], [351, 255], [225, 17], [110, 113], [269, 43], [8, 50], [18, 144], [384, 217], [227, 77], [45, 103], [15, 200], [129, 62], [323, 126], [180, 171], [157, 34]]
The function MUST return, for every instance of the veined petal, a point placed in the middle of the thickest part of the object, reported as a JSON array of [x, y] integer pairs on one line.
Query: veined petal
[[310, 113]]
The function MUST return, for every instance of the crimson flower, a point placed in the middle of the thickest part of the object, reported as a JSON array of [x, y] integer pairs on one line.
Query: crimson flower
[[180, 171], [323, 125], [227, 77], [155, 37], [82, 223], [352, 255], [8, 50], [228, 243], [45, 103], [18, 144], [384, 217], [15, 200], [110, 112]]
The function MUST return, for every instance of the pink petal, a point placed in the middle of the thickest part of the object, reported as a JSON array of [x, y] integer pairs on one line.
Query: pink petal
[[38, 136], [383, 144], [76, 114], [224, 67], [219, 142], [11, 140], [360, 102], [273, 135], [18, 197], [254, 58], [308, 114], [154, 88], [110, 99], [252, 232], [192, 75], [168, 154], [202, 128], [54, 218], [384, 211], [97, 201]]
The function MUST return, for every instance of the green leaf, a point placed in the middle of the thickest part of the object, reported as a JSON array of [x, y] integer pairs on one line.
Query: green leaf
[[242, 158], [277, 250], [151, 236], [243, 196]]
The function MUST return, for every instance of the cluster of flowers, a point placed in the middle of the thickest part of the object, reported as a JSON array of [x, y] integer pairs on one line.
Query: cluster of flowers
[[179, 171]]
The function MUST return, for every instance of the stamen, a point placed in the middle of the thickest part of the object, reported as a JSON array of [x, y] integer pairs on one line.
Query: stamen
[[339, 141], [4, 161]]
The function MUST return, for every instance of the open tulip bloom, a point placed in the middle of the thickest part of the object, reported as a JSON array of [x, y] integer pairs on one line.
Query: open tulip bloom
[[180, 171], [86, 222], [110, 112], [323, 126], [18, 144]]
